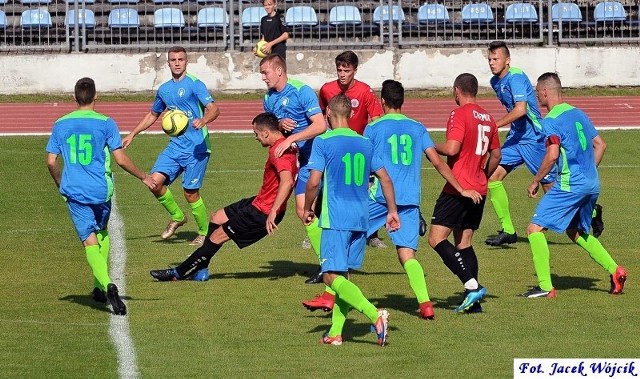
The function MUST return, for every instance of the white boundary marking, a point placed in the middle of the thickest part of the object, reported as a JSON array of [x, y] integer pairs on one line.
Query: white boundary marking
[[119, 325]]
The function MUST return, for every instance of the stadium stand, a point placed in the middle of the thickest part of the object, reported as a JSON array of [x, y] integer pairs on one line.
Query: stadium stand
[[86, 17], [433, 14], [212, 17], [124, 18], [35, 19]]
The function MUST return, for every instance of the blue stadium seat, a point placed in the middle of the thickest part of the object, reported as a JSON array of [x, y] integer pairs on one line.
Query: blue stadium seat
[[344, 15], [381, 13], [3, 20], [301, 15], [158, 2], [212, 17], [124, 18], [433, 14], [35, 2], [521, 13], [165, 18], [568, 12], [85, 16], [123, 1], [478, 13], [609, 11], [70, 2], [251, 17], [35, 19]]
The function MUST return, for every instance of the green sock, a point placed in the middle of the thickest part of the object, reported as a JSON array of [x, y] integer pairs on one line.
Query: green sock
[[329, 290], [169, 203], [104, 244], [500, 203], [417, 280], [597, 252], [98, 265], [314, 232], [338, 317], [540, 252], [199, 212], [352, 295]]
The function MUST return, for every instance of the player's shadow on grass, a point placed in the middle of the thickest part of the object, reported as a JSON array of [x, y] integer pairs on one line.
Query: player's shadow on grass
[[87, 301], [355, 330], [409, 304], [273, 270], [571, 282]]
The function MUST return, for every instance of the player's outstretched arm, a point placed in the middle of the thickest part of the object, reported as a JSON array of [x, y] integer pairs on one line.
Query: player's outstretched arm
[[123, 160], [284, 191], [54, 169], [519, 110], [317, 127], [211, 112], [449, 148], [144, 124], [446, 173]]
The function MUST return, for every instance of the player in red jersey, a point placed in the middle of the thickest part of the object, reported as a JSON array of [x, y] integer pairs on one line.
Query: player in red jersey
[[248, 220], [473, 154]]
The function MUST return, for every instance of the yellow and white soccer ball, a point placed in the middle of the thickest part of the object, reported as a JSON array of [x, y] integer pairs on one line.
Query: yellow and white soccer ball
[[259, 47], [175, 122]]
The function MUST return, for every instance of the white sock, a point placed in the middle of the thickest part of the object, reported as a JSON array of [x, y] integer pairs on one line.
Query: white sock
[[471, 284]]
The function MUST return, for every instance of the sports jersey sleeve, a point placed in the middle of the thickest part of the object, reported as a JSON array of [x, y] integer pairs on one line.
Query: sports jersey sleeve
[[317, 160], [427, 142], [310, 101], [374, 109], [201, 92], [589, 130], [376, 162], [322, 98], [455, 127], [287, 162], [158, 104], [519, 85], [113, 139], [52, 146]]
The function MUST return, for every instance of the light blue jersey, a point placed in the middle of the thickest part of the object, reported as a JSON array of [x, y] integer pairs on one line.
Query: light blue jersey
[[400, 143], [191, 96], [346, 159], [84, 139], [513, 88], [577, 171], [298, 102]]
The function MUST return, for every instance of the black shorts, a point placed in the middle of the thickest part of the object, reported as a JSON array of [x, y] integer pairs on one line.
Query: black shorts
[[457, 212], [246, 225]]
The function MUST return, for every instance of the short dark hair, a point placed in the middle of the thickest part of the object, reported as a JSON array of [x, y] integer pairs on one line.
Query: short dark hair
[[176, 49], [275, 60], [85, 91], [496, 45], [551, 77], [392, 93], [347, 58], [467, 83], [340, 105], [266, 120]]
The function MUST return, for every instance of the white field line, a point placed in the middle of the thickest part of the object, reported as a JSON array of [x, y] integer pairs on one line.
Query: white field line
[[119, 325]]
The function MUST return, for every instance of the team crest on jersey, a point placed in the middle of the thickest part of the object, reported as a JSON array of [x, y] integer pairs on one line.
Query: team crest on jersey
[[181, 92], [285, 101], [354, 103]]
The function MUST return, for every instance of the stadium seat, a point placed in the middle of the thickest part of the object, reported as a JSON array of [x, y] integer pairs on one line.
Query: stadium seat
[[567, 12], [344, 15], [85, 16], [301, 15], [35, 19], [158, 2], [70, 2], [124, 18], [35, 2], [251, 17], [381, 13], [478, 13], [609, 11], [521, 13], [433, 14], [212, 17], [123, 1], [168, 18], [3, 20]]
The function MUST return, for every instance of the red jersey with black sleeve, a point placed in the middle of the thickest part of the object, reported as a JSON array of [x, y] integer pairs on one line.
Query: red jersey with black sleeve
[[364, 103], [476, 129], [271, 178]]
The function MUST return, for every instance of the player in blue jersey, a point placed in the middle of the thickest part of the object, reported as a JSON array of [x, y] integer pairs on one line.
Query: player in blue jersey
[[85, 138], [187, 154], [296, 106], [575, 149], [524, 143], [343, 160]]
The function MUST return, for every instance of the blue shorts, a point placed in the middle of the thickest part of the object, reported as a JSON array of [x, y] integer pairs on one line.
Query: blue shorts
[[89, 218], [559, 210], [172, 163], [407, 235], [341, 250], [514, 154]]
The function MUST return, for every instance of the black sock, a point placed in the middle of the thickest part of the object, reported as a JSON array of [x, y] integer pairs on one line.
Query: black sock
[[199, 259], [453, 260], [212, 228], [470, 260]]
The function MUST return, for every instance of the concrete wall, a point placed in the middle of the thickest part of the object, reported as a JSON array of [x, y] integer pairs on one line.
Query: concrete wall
[[416, 69]]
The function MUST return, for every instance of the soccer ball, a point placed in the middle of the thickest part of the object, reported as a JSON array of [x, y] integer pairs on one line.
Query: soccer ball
[[175, 122], [259, 47]]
